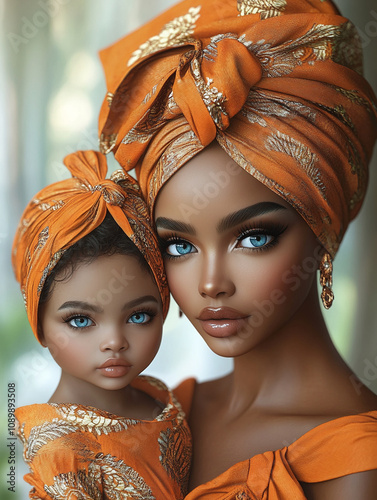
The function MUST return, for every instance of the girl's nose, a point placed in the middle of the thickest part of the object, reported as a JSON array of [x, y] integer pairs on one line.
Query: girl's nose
[[115, 340]]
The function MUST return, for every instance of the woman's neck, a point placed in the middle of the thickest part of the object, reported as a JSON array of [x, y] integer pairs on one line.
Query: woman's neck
[[285, 372]]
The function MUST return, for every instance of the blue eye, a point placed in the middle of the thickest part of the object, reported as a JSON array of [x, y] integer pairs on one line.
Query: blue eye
[[255, 240], [80, 322], [139, 318], [180, 248]]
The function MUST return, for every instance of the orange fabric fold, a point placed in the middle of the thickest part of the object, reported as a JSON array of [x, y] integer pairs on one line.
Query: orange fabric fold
[[66, 211], [343, 446], [278, 84]]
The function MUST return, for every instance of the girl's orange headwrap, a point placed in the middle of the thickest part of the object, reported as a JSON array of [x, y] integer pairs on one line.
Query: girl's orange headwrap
[[66, 211], [276, 82]]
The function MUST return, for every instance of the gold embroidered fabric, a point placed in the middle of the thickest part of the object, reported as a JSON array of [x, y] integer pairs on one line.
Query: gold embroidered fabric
[[66, 211], [276, 82], [81, 452]]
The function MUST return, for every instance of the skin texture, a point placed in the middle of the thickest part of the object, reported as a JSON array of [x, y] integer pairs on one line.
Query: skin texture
[[108, 309], [288, 377]]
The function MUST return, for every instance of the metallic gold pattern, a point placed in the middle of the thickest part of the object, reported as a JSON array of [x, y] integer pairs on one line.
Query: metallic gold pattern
[[304, 157], [175, 33], [266, 8], [212, 97], [107, 143]]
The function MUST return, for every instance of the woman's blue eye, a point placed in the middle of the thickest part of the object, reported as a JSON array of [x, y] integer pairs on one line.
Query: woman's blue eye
[[80, 322], [181, 248], [139, 318], [256, 240]]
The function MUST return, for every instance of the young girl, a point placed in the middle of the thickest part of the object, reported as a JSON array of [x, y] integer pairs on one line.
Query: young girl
[[96, 296], [251, 131]]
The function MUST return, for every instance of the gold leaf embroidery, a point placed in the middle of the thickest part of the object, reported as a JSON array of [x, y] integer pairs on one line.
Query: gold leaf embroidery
[[266, 8], [212, 97], [303, 156], [40, 435], [175, 455], [96, 421], [48, 268], [244, 163], [120, 481], [74, 485], [107, 143], [315, 45], [42, 238], [260, 104], [175, 33]]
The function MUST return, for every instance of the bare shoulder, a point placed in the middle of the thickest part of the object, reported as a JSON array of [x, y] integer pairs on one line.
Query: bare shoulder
[[361, 485]]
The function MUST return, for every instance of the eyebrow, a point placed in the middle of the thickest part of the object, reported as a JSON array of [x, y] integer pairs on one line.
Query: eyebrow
[[139, 300], [79, 304], [174, 225], [247, 213]]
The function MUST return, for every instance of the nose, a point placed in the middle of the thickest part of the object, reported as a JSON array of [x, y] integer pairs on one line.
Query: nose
[[215, 280], [114, 340]]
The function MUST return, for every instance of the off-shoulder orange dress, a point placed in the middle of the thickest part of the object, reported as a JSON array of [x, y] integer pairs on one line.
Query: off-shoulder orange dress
[[331, 450], [80, 452]]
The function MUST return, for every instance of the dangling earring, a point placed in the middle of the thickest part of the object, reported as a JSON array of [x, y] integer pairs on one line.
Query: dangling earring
[[325, 279], [180, 313]]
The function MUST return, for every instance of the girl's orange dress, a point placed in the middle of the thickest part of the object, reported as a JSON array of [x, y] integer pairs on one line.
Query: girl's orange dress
[[80, 452], [331, 450]]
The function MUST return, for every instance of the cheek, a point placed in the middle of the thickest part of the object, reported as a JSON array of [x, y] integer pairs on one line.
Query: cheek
[[182, 282], [66, 349]]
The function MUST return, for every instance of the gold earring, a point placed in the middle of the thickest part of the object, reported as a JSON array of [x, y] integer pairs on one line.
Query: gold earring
[[325, 279]]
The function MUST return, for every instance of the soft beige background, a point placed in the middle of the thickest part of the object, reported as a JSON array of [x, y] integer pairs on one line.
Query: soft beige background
[[51, 88]]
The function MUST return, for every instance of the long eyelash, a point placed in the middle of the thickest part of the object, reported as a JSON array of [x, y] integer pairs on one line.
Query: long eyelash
[[268, 228], [152, 313], [167, 240], [70, 317]]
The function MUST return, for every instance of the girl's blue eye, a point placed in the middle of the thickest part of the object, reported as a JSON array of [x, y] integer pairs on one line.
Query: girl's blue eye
[[139, 318], [80, 322], [180, 248], [256, 240]]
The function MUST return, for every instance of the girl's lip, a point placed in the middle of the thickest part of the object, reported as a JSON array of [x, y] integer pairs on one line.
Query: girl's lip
[[115, 362], [220, 313], [115, 367]]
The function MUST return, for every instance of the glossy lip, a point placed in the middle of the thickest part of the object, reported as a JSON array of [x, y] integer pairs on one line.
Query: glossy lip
[[217, 313], [115, 367], [222, 322]]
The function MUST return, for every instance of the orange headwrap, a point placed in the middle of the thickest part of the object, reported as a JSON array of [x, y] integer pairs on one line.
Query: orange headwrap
[[276, 82], [66, 211]]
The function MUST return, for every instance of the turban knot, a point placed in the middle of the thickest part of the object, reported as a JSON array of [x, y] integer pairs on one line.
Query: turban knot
[[277, 83]]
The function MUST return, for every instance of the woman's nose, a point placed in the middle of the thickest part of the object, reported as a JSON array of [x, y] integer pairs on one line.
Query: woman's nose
[[114, 340], [215, 280]]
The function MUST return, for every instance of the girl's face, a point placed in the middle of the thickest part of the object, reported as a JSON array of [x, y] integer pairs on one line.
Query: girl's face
[[103, 325], [240, 261]]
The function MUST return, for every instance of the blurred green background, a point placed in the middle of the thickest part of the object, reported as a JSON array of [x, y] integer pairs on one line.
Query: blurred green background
[[52, 87]]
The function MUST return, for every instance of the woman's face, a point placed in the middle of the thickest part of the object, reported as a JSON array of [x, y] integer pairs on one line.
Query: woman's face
[[240, 261]]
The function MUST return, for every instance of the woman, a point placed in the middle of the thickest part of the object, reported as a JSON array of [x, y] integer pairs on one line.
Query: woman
[[264, 105]]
